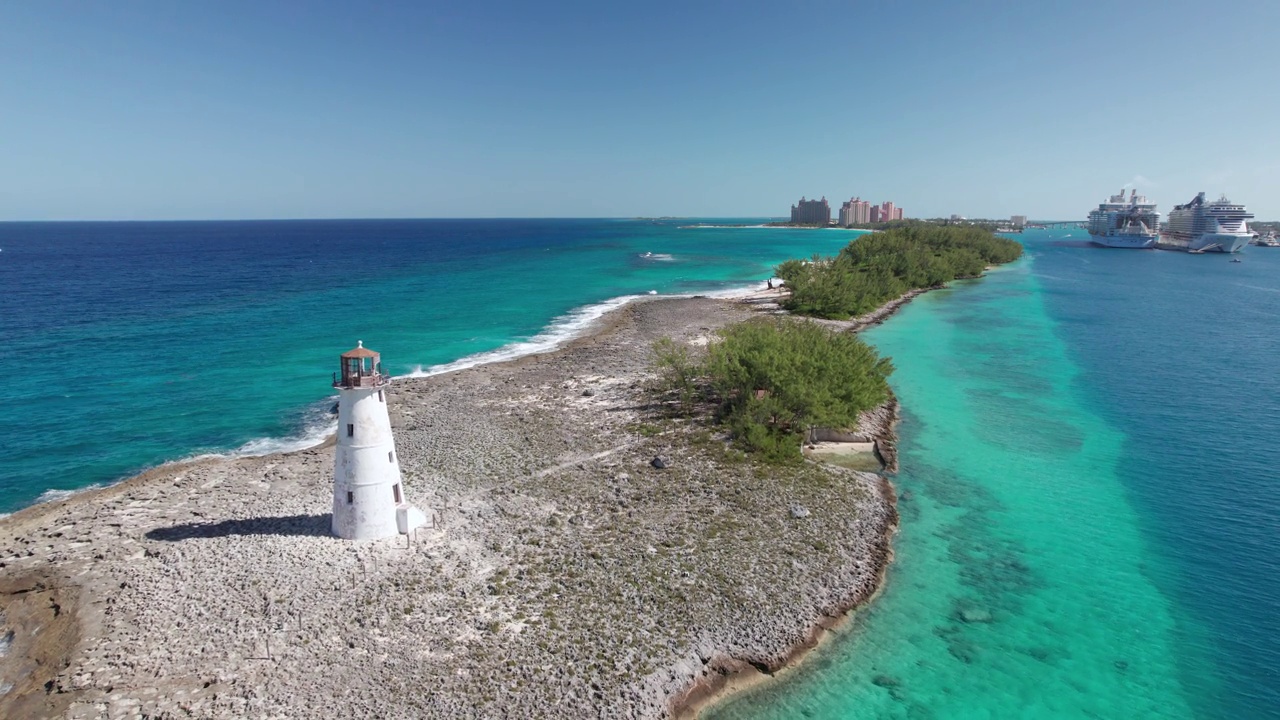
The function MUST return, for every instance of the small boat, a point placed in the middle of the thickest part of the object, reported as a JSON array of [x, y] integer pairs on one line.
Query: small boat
[[1235, 260], [1268, 240]]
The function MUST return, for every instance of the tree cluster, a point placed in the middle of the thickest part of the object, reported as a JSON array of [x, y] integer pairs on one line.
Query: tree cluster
[[876, 268], [772, 379]]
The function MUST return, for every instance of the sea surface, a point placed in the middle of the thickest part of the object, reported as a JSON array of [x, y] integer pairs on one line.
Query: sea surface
[[1089, 491], [130, 344], [1089, 499]]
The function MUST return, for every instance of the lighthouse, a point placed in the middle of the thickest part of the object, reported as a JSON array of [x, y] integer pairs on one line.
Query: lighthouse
[[368, 498]]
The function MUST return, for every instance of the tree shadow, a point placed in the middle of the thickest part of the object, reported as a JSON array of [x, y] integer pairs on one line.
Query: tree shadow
[[296, 525]]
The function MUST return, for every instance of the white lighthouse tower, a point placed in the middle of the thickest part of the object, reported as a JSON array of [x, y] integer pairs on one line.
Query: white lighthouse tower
[[368, 500]]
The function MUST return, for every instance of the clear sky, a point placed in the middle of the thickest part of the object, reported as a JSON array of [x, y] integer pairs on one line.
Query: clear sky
[[151, 110]]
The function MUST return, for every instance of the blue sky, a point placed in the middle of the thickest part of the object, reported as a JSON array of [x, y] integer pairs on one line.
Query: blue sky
[[157, 110]]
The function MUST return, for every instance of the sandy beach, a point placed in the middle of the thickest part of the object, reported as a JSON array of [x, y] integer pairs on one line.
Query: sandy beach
[[566, 575]]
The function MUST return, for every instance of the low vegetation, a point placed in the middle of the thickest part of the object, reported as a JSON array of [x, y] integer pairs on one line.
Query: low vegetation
[[877, 268], [771, 379]]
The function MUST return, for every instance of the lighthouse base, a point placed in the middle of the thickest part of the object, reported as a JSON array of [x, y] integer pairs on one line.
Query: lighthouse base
[[409, 518]]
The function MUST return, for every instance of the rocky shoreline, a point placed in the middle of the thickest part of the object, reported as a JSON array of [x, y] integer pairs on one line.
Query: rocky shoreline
[[567, 576]]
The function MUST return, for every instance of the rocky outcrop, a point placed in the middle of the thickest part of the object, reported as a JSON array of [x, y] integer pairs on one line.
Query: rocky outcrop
[[565, 574]]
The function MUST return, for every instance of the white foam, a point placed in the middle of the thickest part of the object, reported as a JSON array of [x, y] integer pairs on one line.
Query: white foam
[[312, 434], [730, 293], [560, 331], [55, 495], [315, 430], [563, 329]]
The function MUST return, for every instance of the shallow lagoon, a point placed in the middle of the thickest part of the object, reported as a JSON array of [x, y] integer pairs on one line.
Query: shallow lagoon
[[1020, 586]]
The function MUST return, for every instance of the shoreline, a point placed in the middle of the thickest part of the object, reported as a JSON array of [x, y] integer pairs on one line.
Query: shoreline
[[735, 676], [723, 673], [114, 543], [595, 322]]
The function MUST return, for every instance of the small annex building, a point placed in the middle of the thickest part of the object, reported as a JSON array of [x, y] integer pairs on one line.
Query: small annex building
[[368, 496]]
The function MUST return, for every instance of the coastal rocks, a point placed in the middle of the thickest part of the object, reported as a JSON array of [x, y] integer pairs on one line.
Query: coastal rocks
[[561, 577], [799, 511]]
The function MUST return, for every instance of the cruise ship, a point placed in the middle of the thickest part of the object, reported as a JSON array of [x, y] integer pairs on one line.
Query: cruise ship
[[1199, 226], [1121, 223]]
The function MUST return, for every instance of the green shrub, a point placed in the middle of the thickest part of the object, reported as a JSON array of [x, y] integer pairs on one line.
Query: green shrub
[[774, 378], [677, 369], [876, 268]]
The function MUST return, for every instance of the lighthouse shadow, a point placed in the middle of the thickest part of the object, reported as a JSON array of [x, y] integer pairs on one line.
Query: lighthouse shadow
[[289, 525]]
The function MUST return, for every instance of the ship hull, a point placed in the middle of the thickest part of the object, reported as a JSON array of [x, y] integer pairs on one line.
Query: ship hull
[[1132, 242], [1220, 242], [1208, 242]]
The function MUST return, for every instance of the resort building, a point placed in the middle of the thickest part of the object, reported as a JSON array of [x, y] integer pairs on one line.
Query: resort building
[[855, 212], [811, 212], [1018, 220], [846, 215]]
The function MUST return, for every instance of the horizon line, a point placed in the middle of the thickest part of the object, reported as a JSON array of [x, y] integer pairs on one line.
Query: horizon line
[[398, 219]]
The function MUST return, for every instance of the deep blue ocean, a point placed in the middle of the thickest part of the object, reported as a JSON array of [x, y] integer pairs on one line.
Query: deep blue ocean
[[1089, 447]]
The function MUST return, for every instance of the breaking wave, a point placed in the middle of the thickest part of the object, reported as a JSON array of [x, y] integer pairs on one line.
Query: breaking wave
[[561, 330]]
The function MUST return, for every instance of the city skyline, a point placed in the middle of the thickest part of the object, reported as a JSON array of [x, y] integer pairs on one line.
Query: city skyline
[[245, 111]]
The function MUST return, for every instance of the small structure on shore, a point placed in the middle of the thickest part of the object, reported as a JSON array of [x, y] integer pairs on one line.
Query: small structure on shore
[[368, 499]]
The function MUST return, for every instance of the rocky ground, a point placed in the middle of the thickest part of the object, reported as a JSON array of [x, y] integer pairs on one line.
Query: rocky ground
[[567, 576]]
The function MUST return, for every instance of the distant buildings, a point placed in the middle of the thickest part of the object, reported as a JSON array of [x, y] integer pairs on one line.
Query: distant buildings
[[1018, 220], [811, 212], [855, 211], [889, 211]]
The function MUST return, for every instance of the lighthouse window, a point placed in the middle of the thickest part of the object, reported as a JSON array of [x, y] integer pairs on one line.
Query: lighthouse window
[[391, 457], [351, 429], [380, 397], [351, 497], [396, 488]]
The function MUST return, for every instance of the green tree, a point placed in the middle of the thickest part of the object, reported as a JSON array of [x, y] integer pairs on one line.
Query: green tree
[[876, 268], [777, 377]]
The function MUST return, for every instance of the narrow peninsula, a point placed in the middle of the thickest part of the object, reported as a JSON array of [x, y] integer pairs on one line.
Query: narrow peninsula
[[606, 534]]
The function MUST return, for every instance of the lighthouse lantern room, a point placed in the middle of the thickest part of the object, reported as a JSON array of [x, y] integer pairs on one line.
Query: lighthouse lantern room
[[368, 499]]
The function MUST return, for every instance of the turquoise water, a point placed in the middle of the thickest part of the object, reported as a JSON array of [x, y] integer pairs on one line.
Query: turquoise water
[[1069, 545], [141, 343], [1089, 506]]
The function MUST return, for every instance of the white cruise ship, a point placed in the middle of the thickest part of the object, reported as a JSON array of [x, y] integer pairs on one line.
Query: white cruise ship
[[1121, 223], [1199, 226]]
